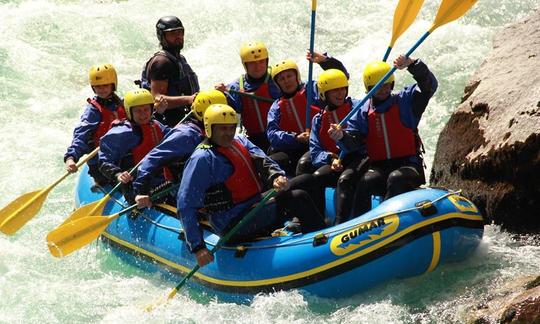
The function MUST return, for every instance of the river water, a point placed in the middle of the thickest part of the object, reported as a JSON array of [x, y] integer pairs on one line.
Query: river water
[[46, 49]]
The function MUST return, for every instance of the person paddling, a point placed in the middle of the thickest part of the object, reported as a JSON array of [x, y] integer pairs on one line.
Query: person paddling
[[175, 148], [388, 124], [286, 129], [225, 176], [257, 81], [129, 140], [99, 113], [333, 171]]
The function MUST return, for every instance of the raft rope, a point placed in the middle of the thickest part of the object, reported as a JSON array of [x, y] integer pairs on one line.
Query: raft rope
[[329, 233], [301, 241]]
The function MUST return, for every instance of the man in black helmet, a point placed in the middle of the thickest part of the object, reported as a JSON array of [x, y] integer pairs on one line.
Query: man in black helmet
[[168, 75]]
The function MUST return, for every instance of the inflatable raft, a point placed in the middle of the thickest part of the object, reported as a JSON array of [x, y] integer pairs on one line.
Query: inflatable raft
[[405, 236]]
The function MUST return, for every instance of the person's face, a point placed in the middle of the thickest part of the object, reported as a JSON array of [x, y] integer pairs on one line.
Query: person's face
[[257, 69], [175, 38], [337, 96], [142, 114], [223, 134], [103, 91], [287, 81], [383, 92]]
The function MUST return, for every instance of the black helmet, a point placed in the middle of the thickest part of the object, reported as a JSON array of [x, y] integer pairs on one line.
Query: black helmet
[[167, 23]]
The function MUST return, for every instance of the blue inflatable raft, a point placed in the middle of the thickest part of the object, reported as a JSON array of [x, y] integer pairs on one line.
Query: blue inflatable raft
[[405, 236]]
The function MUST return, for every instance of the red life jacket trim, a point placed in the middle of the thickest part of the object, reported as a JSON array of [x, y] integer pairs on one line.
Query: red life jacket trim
[[107, 119], [387, 137], [290, 111], [151, 135], [244, 182], [255, 112], [332, 117]]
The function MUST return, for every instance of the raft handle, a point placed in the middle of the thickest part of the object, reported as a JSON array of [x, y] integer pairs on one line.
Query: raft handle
[[426, 207], [320, 239]]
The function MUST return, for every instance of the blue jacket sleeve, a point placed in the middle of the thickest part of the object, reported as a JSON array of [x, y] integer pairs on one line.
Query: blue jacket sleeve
[[234, 99], [356, 131], [191, 194], [319, 156], [279, 139], [178, 144], [82, 133], [114, 146]]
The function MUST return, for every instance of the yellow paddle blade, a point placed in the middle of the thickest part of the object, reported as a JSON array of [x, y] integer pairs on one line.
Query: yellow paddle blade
[[161, 301], [21, 210], [406, 12], [92, 209], [451, 10], [77, 234]]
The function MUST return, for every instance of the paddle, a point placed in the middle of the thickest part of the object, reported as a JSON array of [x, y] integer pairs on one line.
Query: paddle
[[80, 232], [21, 210], [250, 95], [216, 247], [310, 65], [449, 10], [96, 207], [406, 12]]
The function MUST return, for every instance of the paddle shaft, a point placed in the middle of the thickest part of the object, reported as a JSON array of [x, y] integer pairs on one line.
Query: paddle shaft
[[250, 95], [310, 64], [225, 238], [406, 12], [355, 109], [79, 164]]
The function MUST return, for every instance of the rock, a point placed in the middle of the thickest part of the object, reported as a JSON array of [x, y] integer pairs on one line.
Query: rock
[[516, 302], [490, 147]]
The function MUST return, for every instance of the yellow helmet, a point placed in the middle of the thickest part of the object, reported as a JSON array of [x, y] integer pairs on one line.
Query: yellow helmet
[[374, 72], [204, 99], [253, 51], [137, 98], [103, 74], [218, 114], [284, 66], [331, 79]]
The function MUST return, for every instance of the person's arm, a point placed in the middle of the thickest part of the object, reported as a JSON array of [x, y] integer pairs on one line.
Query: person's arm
[[195, 182], [278, 138], [319, 156], [160, 73], [354, 136], [90, 120], [114, 145], [425, 87], [179, 144], [265, 166]]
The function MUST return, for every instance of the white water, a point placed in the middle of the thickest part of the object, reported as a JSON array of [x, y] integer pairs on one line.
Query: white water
[[46, 49]]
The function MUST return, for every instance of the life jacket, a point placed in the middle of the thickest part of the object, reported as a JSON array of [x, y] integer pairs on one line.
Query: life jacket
[[107, 119], [187, 82], [387, 137], [332, 117], [255, 112], [244, 182], [151, 135], [293, 112]]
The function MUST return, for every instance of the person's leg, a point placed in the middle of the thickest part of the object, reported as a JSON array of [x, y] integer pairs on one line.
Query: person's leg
[[304, 164], [404, 179], [346, 187], [313, 186], [372, 182], [283, 160], [297, 203]]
